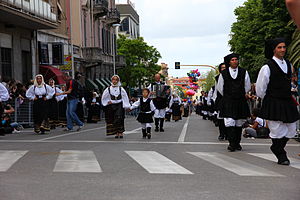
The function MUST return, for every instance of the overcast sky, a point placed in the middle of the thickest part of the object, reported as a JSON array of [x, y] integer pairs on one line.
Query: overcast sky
[[188, 31]]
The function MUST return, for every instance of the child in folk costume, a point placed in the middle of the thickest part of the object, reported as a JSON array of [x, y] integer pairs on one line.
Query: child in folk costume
[[40, 93], [115, 100], [145, 116], [175, 105]]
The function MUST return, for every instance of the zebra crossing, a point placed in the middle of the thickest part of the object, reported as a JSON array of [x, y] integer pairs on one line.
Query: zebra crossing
[[74, 161]]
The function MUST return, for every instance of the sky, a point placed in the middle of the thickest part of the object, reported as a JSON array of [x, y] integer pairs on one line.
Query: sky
[[192, 32]]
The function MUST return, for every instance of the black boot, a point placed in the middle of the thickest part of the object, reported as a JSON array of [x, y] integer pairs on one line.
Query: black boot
[[278, 149], [144, 133], [222, 129], [156, 124], [149, 132], [238, 137], [161, 128], [231, 138]]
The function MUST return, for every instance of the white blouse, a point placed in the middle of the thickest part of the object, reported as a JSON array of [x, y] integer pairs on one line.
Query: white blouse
[[4, 95], [233, 74], [40, 91], [138, 103], [263, 78], [115, 91]]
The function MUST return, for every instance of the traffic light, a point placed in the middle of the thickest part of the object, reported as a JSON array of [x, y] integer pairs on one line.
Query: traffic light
[[177, 65]]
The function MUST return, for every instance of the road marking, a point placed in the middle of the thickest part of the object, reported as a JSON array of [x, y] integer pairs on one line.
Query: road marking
[[184, 130], [236, 166], [268, 156], [137, 130], [72, 133], [77, 161], [8, 158], [156, 163]]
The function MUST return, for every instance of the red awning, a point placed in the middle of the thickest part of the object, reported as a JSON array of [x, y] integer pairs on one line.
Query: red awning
[[51, 72]]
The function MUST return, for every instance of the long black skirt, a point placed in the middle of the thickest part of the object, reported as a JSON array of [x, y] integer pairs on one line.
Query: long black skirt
[[114, 117], [279, 109], [40, 115]]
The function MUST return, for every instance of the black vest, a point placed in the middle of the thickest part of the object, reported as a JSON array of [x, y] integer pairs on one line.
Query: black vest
[[112, 97], [145, 106], [280, 83], [234, 88]]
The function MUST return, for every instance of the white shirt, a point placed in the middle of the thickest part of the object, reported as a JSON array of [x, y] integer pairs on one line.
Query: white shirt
[[115, 91], [138, 103], [233, 74], [263, 78], [260, 121], [4, 95], [60, 97], [33, 91]]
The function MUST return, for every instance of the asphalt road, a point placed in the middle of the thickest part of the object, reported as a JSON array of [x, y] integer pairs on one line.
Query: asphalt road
[[186, 162]]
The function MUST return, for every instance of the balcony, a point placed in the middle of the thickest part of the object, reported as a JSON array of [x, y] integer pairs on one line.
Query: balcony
[[100, 8], [31, 14], [113, 16]]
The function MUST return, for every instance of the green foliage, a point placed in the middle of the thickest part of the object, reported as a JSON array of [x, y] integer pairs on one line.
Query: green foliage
[[210, 80], [179, 91], [257, 21], [141, 61], [294, 50]]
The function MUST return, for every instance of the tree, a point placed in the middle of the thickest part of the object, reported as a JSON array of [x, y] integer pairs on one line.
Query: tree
[[294, 50], [257, 21], [141, 61], [210, 80]]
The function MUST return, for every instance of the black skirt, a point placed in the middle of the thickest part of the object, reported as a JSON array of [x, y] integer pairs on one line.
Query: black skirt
[[234, 108], [279, 109], [145, 118], [114, 117]]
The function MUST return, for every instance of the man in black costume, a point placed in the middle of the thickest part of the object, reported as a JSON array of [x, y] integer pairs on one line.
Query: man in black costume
[[233, 84]]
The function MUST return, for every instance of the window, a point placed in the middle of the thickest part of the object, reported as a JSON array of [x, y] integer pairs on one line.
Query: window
[[6, 62], [43, 53], [57, 53]]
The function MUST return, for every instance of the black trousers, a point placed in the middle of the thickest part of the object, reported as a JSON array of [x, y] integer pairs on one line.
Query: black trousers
[[222, 129], [234, 135], [277, 148]]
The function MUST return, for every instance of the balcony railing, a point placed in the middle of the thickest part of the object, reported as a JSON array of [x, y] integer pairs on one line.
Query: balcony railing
[[100, 8], [113, 16], [38, 8]]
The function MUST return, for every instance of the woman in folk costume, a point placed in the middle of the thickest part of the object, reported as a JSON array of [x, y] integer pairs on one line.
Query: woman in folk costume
[[40, 93], [53, 105], [115, 100], [145, 116], [273, 85], [175, 105]]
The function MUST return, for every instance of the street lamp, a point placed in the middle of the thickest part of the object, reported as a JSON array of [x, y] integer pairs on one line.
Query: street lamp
[[114, 47]]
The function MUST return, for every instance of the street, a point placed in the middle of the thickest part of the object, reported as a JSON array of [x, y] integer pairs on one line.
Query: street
[[185, 162]]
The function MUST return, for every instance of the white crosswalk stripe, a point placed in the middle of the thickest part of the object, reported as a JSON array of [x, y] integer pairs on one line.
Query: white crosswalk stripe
[[156, 163], [8, 158], [77, 161], [268, 156], [236, 166]]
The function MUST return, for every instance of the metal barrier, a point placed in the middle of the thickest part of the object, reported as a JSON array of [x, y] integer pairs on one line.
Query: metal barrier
[[23, 112]]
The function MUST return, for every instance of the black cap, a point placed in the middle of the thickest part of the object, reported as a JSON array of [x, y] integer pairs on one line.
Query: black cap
[[229, 57], [270, 45]]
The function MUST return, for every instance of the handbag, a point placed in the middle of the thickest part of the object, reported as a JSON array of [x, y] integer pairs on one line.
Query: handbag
[[263, 132]]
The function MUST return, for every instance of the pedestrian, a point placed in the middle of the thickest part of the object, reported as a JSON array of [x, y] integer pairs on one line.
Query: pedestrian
[[217, 98], [233, 84], [40, 93], [175, 105], [115, 100], [73, 96], [159, 88], [273, 85], [145, 116]]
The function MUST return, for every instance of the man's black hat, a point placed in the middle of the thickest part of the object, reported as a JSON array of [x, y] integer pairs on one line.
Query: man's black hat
[[229, 57], [270, 45]]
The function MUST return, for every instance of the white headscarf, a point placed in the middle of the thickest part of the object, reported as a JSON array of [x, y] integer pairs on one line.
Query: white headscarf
[[119, 82], [36, 83]]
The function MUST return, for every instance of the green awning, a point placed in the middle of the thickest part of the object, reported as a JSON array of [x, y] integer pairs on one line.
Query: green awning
[[107, 83], [90, 85], [108, 80], [100, 85]]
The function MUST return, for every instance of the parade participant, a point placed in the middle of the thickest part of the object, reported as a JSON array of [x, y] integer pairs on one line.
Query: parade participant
[[233, 84], [168, 110], [115, 100], [53, 105], [73, 95], [62, 107], [175, 105], [145, 116], [205, 106], [217, 98], [160, 105], [40, 93], [93, 105], [278, 107]]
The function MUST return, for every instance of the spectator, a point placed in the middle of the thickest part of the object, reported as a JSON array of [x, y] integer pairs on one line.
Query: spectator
[[253, 129]]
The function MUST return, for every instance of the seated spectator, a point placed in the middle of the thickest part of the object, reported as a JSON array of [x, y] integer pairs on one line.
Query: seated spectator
[[258, 127]]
